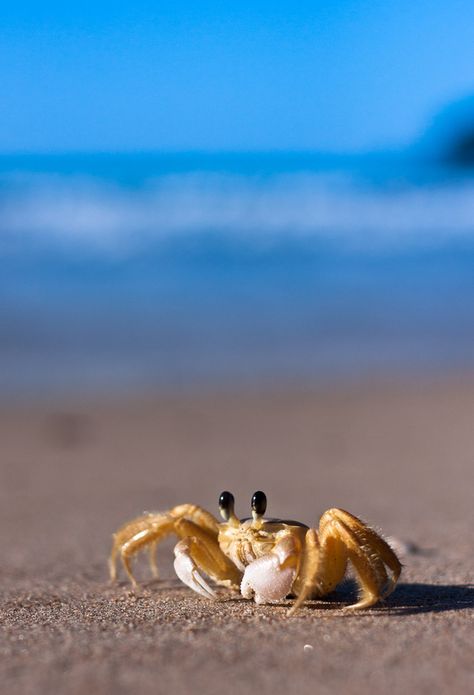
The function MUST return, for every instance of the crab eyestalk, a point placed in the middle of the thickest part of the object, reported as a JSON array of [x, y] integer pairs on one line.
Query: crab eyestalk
[[259, 505], [226, 508]]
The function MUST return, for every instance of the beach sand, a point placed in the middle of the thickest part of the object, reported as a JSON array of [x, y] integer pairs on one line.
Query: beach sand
[[400, 455]]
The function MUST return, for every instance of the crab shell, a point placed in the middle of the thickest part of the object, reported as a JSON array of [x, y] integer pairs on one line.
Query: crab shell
[[269, 559], [268, 552]]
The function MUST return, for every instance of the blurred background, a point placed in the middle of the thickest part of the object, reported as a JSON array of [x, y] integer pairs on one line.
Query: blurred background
[[236, 252], [195, 195]]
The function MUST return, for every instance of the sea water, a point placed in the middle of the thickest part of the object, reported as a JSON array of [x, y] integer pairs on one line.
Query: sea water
[[178, 271]]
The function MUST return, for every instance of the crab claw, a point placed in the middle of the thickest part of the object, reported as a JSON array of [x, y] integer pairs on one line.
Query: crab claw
[[188, 571], [268, 578]]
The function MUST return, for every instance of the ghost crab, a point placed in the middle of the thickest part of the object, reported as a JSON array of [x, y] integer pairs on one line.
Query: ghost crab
[[268, 559]]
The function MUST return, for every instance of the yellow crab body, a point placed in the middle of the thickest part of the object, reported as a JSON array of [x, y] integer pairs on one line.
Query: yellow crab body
[[267, 559], [249, 543]]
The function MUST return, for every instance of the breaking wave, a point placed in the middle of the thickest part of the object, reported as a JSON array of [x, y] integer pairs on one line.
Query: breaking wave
[[82, 213]]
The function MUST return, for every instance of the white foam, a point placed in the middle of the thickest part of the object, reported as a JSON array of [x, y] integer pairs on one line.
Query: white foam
[[83, 213]]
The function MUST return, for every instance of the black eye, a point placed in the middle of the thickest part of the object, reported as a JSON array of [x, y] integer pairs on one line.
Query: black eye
[[259, 503], [226, 504]]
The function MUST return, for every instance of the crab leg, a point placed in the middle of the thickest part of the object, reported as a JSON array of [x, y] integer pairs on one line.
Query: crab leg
[[370, 571], [150, 529], [374, 546], [198, 550], [135, 536], [309, 584], [152, 559], [343, 537]]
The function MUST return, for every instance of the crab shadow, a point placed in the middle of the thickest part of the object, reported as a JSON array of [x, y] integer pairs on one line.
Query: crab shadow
[[431, 598], [409, 598]]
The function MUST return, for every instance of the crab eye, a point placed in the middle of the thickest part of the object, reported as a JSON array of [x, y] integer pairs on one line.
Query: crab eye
[[226, 505], [259, 503]]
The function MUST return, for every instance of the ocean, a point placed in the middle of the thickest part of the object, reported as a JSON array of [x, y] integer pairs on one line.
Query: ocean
[[177, 271]]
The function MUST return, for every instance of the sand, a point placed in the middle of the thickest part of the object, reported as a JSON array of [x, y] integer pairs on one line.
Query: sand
[[400, 455]]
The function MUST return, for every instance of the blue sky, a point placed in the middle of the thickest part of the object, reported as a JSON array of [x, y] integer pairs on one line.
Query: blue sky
[[337, 76]]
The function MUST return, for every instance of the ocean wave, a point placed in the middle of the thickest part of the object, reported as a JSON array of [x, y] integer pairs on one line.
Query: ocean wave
[[92, 215]]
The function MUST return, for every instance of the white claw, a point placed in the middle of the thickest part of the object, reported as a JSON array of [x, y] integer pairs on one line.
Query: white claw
[[267, 579], [189, 573]]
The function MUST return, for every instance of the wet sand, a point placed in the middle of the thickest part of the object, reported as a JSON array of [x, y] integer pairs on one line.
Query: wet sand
[[399, 455]]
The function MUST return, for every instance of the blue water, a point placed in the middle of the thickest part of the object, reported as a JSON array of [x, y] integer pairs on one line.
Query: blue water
[[148, 271]]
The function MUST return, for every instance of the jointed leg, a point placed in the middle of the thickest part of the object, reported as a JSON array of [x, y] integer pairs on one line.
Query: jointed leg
[[198, 552], [113, 563], [152, 559], [343, 537], [135, 536], [324, 566], [193, 557], [373, 546], [128, 569], [150, 529], [370, 570], [200, 516], [309, 583], [206, 552]]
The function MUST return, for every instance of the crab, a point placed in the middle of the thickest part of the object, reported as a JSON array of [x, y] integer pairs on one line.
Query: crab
[[267, 559]]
